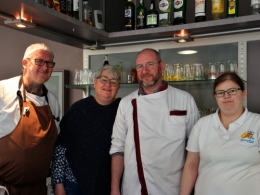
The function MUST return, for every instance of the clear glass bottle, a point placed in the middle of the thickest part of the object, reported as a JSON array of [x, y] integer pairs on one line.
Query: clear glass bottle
[[86, 13], [179, 12], [141, 12], [165, 11], [232, 8], [255, 7], [129, 15], [152, 17], [200, 10], [217, 9]]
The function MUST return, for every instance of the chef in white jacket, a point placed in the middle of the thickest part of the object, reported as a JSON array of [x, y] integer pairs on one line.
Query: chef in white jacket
[[150, 132]]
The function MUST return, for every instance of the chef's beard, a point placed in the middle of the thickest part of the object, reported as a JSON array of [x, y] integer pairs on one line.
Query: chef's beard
[[153, 82]]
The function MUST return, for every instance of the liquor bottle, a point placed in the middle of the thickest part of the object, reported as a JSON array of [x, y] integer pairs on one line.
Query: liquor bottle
[[200, 10], [255, 7], [57, 5], [129, 15], [141, 16], [232, 8], [86, 13], [133, 74], [165, 10], [105, 61], [76, 9], [63, 5], [69, 8], [152, 17], [217, 9], [179, 11], [50, 4]]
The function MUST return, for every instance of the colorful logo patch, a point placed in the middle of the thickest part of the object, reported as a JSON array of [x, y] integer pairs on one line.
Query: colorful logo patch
[[248, 137]]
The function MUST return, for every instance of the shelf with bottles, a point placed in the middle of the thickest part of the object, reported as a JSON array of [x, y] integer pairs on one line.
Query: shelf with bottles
[[173, 83], [59, 27]]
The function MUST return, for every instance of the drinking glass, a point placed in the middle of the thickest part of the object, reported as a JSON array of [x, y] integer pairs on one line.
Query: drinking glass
[[77, 77]]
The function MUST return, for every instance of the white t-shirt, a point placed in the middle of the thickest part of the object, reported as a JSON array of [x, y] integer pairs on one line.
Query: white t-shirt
[[10, 108], [229, 159]]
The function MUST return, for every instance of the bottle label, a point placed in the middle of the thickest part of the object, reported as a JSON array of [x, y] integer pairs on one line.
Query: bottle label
[[217, 6], [140, 20], [163, 5], [178, 14], [253, 2], [151, 19], [200, 8], [178, 4], [128, 13], [163, 16], [231, 6], [76, 5]]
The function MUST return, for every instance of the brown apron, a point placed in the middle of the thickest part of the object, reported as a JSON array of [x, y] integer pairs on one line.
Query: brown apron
[[26, 153]]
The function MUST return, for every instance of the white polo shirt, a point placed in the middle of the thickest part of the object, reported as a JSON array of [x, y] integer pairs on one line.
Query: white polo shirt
[[10, 108], [229, 159]]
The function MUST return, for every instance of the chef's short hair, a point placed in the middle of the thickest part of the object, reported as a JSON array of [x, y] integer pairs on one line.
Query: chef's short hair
[[35, 47], [110, 69]]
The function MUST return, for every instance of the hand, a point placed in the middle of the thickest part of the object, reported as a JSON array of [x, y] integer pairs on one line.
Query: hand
[[59, 189]]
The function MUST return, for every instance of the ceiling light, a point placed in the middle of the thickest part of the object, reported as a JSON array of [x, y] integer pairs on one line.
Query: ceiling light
[[19, 23], [182, 39], [97, 46], [185, 52]]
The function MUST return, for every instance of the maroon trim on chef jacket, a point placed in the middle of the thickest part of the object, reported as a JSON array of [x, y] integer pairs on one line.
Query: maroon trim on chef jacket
[[178, 112], [138, 151]]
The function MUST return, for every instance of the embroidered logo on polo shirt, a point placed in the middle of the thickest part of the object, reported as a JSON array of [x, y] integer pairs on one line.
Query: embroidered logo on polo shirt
[[248, 137]]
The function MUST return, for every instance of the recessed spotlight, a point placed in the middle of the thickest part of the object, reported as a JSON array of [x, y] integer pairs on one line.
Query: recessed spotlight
[[185, 52]]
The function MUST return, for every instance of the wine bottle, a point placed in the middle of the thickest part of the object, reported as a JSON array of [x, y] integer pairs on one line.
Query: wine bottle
[[105, 61], [141, 12], [217, 9], [200, 10], [63, 5], [255, 7], [69, 8], [165, 10], [86, 13], [57, 5], [76, 9], [129, 15], [179, 11], [232, 8], [152, 17]]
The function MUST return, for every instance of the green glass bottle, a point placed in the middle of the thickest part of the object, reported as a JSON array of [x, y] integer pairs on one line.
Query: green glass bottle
[[129, 15], [152, 17], [179, 7], [76, 9], [165, 10], [141, 16], [232, 8]]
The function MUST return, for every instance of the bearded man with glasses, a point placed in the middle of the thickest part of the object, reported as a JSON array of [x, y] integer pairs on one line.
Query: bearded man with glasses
[[29, 123], [150, 132]]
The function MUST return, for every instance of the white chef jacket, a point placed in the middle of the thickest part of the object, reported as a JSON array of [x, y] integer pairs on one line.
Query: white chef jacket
[[229, 160], [162, 139], [10, 108]]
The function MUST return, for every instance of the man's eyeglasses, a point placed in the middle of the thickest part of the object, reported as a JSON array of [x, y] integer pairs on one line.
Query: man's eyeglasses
[[148, 65], [40, 62], [221, 93], [105, 80]]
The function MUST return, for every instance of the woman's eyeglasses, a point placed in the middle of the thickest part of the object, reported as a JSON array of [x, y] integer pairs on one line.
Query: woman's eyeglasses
[[221, 93]]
